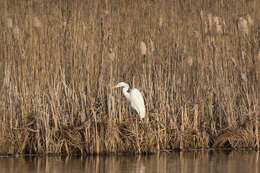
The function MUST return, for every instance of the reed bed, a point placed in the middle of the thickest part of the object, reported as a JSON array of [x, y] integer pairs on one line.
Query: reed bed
[[196, 62]]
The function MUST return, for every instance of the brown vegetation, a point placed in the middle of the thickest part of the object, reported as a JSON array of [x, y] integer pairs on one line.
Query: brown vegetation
[[196, 62]]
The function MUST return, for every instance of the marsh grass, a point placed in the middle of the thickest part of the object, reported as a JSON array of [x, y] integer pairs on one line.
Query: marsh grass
[[197, 65]]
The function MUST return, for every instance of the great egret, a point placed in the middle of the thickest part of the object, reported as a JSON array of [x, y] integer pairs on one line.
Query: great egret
[[134, 97]]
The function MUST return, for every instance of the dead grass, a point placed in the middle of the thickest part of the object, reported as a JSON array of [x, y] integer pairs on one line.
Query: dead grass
[[196, 64]]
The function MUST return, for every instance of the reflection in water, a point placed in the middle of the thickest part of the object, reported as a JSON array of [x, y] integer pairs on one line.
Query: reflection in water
[[183, 162]]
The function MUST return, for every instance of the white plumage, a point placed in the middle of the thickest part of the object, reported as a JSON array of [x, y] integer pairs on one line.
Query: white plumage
[[134, 97]]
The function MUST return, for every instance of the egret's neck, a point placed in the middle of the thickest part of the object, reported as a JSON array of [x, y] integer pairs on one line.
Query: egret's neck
[[126, 94]]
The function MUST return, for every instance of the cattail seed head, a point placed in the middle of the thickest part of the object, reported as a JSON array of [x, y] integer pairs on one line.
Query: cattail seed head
[[216, 20], [243, 25], [244, 77], [36, 22], [16, 32], [206, 27], [219, 29], [234, 61], [143, 48], [249, 20], [218, 25], [190, 61], [111, 54], [9, 23], [197, 34], [151, 46], [160, 21], [258, 56], [210, 22], [201, 14]]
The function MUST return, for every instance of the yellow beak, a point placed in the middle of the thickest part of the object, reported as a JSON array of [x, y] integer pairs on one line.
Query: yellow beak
[[114, 86]]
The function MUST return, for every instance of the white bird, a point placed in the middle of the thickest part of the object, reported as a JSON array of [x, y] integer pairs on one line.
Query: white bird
[[134, 97]]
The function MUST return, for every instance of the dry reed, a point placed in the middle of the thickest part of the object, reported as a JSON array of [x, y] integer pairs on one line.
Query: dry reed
[[201, 87]]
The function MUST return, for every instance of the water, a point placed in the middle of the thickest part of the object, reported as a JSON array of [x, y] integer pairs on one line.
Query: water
[[180, 162]]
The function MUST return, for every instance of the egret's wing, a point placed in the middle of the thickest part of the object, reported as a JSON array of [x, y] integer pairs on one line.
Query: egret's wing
[[137, 101]]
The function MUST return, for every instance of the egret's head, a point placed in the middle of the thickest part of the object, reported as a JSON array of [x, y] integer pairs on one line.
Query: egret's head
[[121, 84]]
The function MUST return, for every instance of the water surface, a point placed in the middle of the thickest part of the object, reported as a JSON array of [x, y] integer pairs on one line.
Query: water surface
[[181, 162]]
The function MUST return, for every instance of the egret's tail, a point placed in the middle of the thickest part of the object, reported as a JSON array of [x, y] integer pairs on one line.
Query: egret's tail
[[142, 114]]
